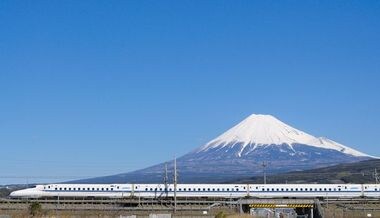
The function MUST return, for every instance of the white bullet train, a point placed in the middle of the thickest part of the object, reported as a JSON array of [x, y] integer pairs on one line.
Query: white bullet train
[[201, 190]]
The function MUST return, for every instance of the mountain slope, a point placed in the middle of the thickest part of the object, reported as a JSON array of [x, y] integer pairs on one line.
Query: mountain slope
[[262, 130], [240, 151], [359, 173]]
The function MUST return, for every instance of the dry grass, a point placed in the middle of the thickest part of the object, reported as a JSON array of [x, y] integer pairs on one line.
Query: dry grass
[[239, 216]]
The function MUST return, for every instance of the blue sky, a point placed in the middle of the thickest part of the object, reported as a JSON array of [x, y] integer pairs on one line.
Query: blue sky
[[91, 88]]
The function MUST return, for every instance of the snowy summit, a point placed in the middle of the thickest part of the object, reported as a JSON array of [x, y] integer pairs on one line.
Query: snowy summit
[[259, 130]]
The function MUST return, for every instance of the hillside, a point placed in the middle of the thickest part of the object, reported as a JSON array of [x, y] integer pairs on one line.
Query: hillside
[[360, 172]]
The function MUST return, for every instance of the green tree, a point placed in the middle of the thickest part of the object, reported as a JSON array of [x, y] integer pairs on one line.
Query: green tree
[[221, 214], [35, 209]]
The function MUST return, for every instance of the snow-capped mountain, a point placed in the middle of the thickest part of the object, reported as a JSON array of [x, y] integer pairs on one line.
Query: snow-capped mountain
[[262, 130], [241, 150]]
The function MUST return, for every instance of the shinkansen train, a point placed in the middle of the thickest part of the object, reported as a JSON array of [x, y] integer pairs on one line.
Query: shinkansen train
[[201, 190]]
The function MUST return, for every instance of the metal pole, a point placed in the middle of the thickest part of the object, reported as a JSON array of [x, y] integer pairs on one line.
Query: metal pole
[[175, 184], [376, 176], [264, 171], [166, 180]]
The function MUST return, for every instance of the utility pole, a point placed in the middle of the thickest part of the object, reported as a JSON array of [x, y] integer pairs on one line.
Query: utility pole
[[175, 184], [166, 179], [376, 175], [264, 165]]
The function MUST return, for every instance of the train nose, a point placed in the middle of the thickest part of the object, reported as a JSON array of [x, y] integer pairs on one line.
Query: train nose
[[25, 193], [16, 194]]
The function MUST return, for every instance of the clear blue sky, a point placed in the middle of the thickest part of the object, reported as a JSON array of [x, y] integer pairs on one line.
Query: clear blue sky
[[91, 88]]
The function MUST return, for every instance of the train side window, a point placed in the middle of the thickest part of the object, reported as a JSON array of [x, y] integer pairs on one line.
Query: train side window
[[88, 189], [204, 189], [213, 189], [56, 188], [296, 189], [375, 189], [199, 189], [156, 189], [257, 187], [237, 189], [291, 189], [111, 189], [222, 189], [282, 189], [180, 189], [170, 189], [268, 189], [339, 189], [287, 189], [301, 189], [228, 189], [161, 189], [272, 189], [208, 189], [218, 189], [263, 189]]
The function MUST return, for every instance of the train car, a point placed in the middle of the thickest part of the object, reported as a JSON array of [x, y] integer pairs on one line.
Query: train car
[[201, 190]]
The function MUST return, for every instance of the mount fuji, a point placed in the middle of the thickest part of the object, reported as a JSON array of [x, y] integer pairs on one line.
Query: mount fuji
[[241, 151]]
